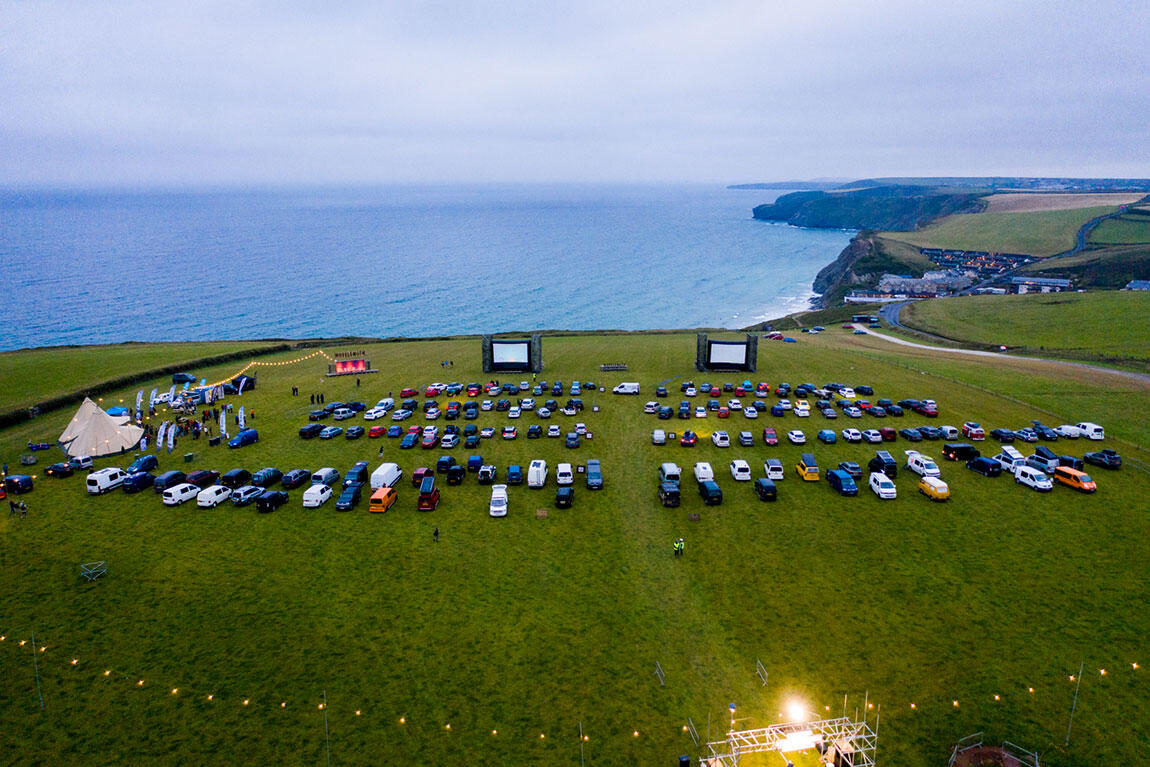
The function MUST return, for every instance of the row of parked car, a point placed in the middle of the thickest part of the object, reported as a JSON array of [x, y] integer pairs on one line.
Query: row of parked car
[[430, 436]]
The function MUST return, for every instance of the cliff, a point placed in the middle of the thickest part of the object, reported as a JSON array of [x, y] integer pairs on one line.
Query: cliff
[[892, 207], [862, 263]]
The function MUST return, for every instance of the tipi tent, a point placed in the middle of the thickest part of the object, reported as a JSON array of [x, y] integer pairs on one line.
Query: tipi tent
[[93, 432]]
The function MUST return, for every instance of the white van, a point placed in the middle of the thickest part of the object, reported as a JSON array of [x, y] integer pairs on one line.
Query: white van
[[213, 496], [921, 465], [774, 470], [185, 491], [669, 472], [1091, 430], [703, 472], [342, 413], [741, 470], [626, 388], [537, 473], [882, 486], [104, 480], [1009, 458], [564, 475], [1033, 478], [316, 495], [325, 476], [387, 403], [386, 475]]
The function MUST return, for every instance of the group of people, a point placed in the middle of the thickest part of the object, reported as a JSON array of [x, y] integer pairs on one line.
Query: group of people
[[679, 546], [17, 509]]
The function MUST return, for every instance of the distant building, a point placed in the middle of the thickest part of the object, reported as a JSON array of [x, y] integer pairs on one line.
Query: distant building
[[990, 291], [931, 283], [1138, 285], [1023, 285]]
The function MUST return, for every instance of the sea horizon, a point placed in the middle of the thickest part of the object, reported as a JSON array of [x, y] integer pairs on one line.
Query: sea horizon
[[115, 264]]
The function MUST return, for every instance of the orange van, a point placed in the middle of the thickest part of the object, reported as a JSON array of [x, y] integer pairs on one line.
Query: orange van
[[382, 500], [1074, 478]]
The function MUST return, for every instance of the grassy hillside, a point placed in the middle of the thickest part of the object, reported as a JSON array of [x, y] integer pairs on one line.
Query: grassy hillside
[[1109, 326], [1127, 229], [1041, 233], [510, 629], [1103, 267], [38, 374]]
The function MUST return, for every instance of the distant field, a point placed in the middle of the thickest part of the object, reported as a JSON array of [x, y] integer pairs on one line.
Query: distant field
[[35, 375], [467, 651], [1111, 326], [1032, 202], [1042, 233], [1124, 230]]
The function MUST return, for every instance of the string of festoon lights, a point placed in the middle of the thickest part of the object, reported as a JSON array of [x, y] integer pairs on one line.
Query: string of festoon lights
[[50, 655], [250, 365]]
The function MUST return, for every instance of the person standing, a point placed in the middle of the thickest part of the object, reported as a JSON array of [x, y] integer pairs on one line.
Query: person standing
[[435, 535]]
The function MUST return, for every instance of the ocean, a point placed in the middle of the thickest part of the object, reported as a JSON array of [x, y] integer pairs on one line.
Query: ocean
[[106, 267]]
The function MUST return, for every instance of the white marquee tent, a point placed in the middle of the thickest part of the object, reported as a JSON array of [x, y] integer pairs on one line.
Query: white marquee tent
[[93, 432]]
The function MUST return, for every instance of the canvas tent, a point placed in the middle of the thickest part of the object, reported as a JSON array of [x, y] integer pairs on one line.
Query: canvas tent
[[93, 432]]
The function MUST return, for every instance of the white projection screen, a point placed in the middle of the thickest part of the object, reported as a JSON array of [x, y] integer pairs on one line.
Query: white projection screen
[[723, 353], [511, 355]]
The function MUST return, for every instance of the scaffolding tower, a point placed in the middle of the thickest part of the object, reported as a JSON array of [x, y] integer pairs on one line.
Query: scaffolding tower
[[841, 742]]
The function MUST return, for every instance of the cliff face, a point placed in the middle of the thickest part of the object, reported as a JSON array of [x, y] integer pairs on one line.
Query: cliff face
[[861, 263], [895, 208]]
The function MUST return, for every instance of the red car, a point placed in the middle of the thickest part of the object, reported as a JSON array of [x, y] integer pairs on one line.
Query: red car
[[377, 431], [888, 434], [740, 391], [430, 441], [716, 391], [972, 430], [769, 436], [432, 391], [409, 393], [414, 429], [473, 390], [724, 412], [418, 475]]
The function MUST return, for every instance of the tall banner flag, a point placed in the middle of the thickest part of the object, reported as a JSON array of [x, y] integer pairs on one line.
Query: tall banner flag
[[139, 399], [243, 380], [143, 443], [172, 394], [240, 418], [171, 437], [160, 434], [152, 398], [223, 423]]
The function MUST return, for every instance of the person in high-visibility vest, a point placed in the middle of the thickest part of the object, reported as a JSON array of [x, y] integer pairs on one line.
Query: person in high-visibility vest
[[682, 546]]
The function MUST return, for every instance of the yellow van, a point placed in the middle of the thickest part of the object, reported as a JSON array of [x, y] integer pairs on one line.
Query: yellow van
[[1074, 478], [934, 488], [807, 468], [382, 500]]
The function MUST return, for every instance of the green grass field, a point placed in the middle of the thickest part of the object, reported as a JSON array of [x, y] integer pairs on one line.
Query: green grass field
[[1107, 326], [34, 375], [1124, 230], [1041, 233], [529, 627]]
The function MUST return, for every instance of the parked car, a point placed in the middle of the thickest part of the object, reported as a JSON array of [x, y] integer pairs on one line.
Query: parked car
[[310, 430], [710, 492], [911, 435], [987, 467], [245, 495], [354, 432], [828, 437], [1107, 459], [497, 507], [137, 481], [746, 439], [97, 482], [348, 497], [765, 489], [774, 470], [972, 430], [203, 477], [796, 437], [658, 437], [180, 494], [428, 499], [331, 432], [959, 451], [852, 468], [884, 463], [143, 463], [456, 474], [852, 436], [270, 500], [741, 470], [807, 468], [688, 439], [1005, 436], [882, 485], [487, 474], [515, 474], [594, 474], [720, 439], [1033, 478], [1077, 480], [770, 437]]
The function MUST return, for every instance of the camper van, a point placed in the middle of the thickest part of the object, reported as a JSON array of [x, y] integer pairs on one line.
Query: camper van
[[921, 465], [626, 388], [1075, 479], [537, 473], [808, 468], [386, 475], [182, 492], [934, 488], [1009, 458], [104, 480]]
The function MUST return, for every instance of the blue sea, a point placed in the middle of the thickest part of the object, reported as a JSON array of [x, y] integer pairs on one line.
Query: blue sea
[[105, 267]]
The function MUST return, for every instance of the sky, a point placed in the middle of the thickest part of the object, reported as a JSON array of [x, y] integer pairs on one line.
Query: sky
[[162, 94]]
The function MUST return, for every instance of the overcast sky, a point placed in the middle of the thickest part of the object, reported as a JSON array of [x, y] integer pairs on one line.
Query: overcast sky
[[160, 93]]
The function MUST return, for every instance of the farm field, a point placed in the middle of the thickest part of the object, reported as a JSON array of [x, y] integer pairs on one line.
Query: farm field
[[1104, 326], [1124, 230], [509, 630], [1041, 233], [1022, 202]]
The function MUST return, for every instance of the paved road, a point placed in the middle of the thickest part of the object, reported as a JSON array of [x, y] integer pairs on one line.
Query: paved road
[[1128, 374]]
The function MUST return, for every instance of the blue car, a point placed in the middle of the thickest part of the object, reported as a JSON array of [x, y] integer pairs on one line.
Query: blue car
[[251, 436], [842, 482], [395, 430], [827, 437], [242, 496], [143, 463], [515, 474], [572, 440], [331, 432], [409, 441]]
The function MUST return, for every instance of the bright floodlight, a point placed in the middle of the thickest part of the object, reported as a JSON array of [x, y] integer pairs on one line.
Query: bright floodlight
[[796, 711]]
